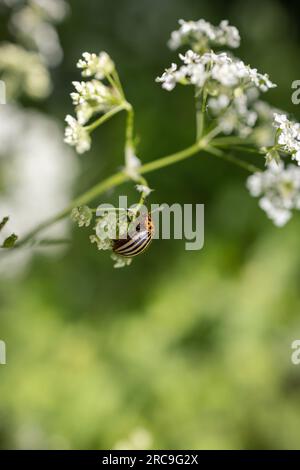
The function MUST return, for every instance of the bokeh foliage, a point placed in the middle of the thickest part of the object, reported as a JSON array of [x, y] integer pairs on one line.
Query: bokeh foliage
[[193, 347]]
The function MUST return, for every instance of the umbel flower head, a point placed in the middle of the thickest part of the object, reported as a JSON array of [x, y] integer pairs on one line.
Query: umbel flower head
[[287, 136], [202, 35], [220, 72], [23, 71], [229, 87], [76, 135], [100, 94], [93, 65], [239, 117], [82, 215], [93, 97], [278, 189]]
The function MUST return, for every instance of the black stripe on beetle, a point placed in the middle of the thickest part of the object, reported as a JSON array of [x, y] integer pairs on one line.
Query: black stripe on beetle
[[135, 245]]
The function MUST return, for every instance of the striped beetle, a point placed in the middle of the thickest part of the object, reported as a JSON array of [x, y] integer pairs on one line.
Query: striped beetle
[[139, 241]]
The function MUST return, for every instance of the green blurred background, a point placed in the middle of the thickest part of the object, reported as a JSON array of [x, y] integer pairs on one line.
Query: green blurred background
[[182, 349]]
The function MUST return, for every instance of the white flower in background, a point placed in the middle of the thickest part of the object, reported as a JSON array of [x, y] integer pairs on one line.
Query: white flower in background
[[218, 104], [95, 65], [238, 117], [37, 175], [23, 71], [264, 132], [278, 189], [54, 10], [218, 71], [201, 35], [76, 135], [32, 25], [288, 138]]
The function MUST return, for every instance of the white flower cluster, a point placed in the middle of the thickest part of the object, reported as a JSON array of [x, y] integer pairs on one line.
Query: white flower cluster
[[91, 97], [32, 24], [76, 135], [288, 136], [95, 65], [218, 71], [264, 133], [110, 226], [38, 174], [278, 189], [235, 116], [201, 35], [23, 71], [82, 215]]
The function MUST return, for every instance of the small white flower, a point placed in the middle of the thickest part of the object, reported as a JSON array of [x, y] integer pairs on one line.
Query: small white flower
[[289, 135], [280, 121], [218, 104], [190, 57], [133, 163], [279, 215], [278, 189], [120, 261], [141, 188], [228, 35], [92, 97], [110, 226], [168, 78], [95, 65], [82, 215], [216, 70], [101, 244], [76, 135]]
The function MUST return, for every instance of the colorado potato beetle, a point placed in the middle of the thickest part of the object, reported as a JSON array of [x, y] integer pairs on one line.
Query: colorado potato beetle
[[137, 243]]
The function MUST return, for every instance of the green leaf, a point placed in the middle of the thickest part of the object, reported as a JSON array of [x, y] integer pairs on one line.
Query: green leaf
[[10, 241], [3, 222]]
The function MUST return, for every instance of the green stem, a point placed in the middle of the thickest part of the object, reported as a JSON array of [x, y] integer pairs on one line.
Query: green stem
[[232, 159], [240, 148], [129, 144], [232, 140], [200, 103], [117, 80], [171, 159], [106, 116], [111, 182], [121, 177], [144, 182]]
